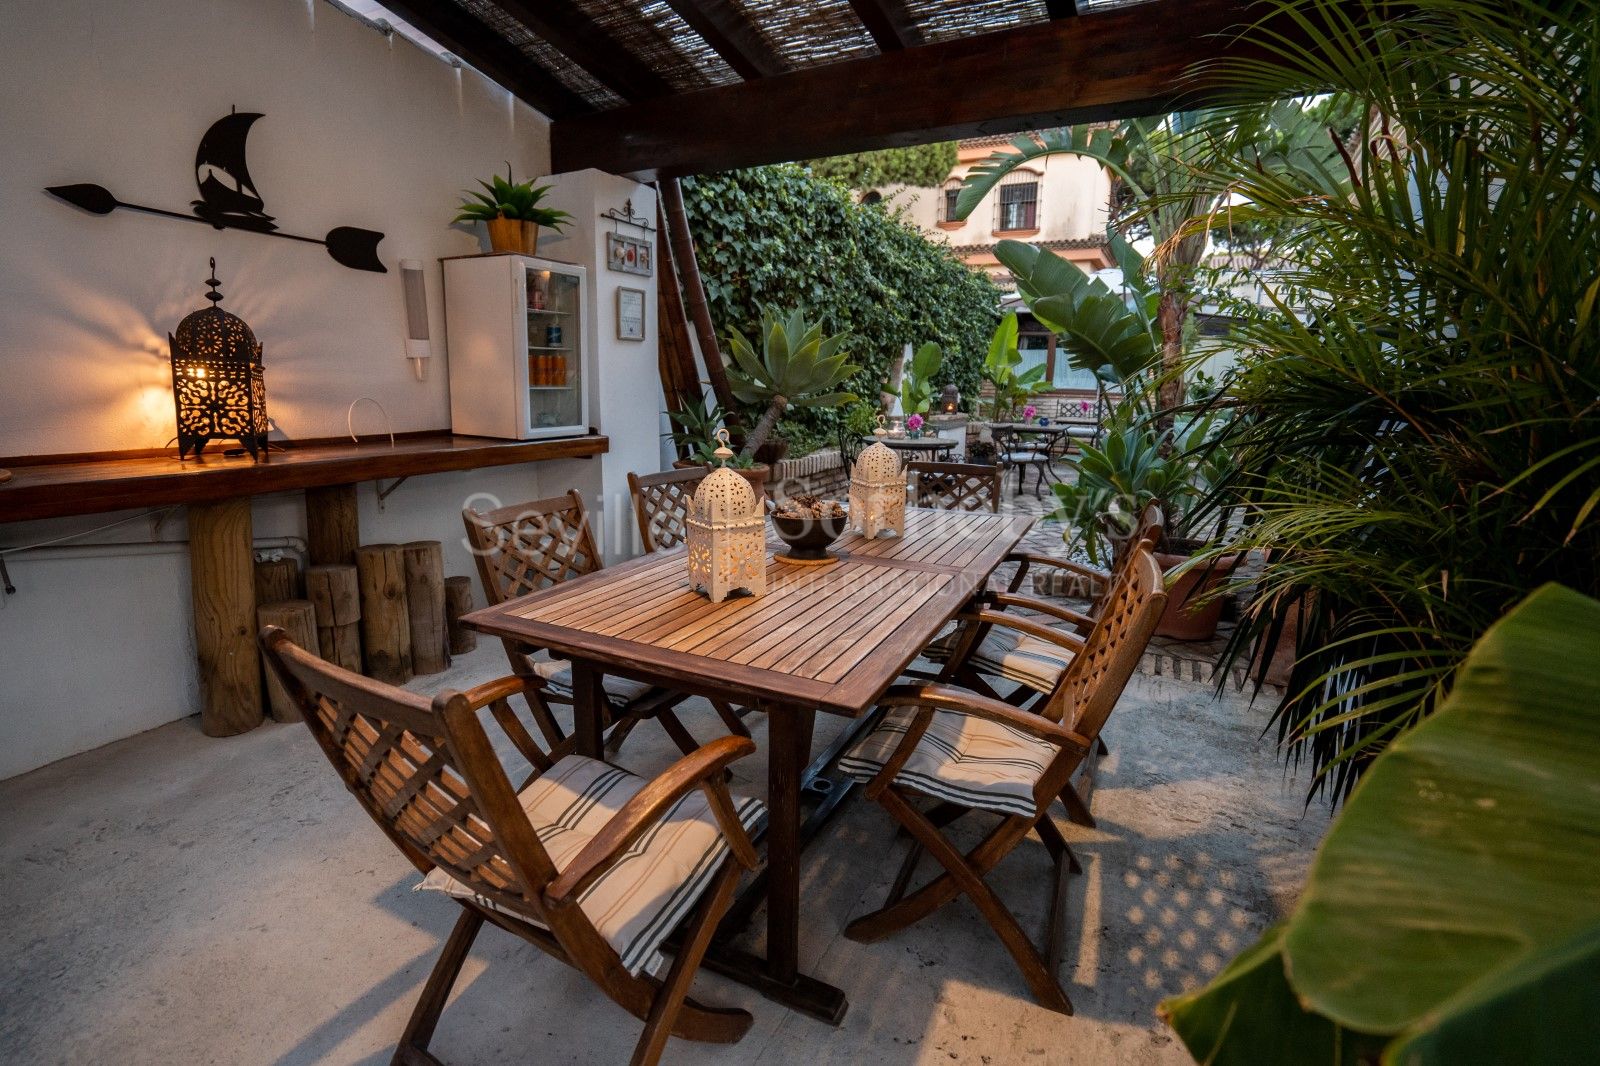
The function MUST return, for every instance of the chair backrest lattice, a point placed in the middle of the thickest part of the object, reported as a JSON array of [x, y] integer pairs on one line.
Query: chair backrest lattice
[[1093, 682], [424, 771], [529, 546], [955, 486], [661, 505]]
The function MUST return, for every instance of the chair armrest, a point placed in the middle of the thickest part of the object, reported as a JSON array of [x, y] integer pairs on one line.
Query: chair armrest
[[1027, 559], [700, 769], [1050, 634], [1032, 603], [494, 695], [965, 701]]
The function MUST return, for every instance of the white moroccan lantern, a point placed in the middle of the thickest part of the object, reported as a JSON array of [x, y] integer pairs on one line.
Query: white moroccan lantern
[[727, 533], [878, 490]]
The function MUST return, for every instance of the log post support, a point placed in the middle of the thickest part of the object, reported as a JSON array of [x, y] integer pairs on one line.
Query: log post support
[[333, 531], [278, 580], [222, 578]]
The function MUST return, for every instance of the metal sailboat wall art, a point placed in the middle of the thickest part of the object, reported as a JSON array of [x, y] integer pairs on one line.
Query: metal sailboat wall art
[[229, 198]]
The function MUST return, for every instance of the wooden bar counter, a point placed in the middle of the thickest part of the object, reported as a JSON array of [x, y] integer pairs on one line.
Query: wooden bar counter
[[216, 490]]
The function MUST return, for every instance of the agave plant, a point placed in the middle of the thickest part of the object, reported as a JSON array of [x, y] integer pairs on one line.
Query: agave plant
[[796, 366], [505, 198], [1419, 436]]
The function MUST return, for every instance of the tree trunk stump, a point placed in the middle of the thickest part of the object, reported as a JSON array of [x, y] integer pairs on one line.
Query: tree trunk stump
[[278, 580], [425, 605], [385, 620], [336, 594], [298, 618], [458, 601]]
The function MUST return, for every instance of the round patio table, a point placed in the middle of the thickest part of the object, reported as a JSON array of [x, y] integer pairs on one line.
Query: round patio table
[[1056, 437], [931, 449]]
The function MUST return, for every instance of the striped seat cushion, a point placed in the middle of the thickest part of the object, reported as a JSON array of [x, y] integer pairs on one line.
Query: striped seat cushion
[[650, 890], [967, 760], [1014, 656], [558, 674]]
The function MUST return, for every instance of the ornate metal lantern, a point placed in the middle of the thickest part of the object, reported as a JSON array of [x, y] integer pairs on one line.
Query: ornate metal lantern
[[878, 490], [217, 383], [727, 533], [950, 400]]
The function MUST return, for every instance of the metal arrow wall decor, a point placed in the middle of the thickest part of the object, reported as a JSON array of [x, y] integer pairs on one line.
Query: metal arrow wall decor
[[229, 200]]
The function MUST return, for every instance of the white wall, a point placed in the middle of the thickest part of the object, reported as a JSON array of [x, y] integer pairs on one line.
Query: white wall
[[358, 130], [625, 397]]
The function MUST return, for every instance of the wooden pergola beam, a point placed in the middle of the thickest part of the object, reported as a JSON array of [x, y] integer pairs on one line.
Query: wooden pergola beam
[[475, 43], [1095, 67], [723, 26], [890, 24], [560, 24]]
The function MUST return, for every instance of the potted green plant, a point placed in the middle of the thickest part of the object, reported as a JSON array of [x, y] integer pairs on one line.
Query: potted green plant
[[1128, 471], [796, 366], [1001, 368], [510, 209], [916, 384]]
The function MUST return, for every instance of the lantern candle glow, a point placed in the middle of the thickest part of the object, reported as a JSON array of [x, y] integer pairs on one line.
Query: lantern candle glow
[[218, 388]]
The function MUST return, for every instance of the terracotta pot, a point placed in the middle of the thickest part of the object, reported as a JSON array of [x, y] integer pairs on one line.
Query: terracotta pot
[[530, 238], [505, 234], [1184, 619]]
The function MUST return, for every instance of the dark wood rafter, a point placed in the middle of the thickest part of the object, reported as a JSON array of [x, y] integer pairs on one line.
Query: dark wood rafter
[[481, 47], [1099, 66], [890, 24], [560, 24], [724, 27], [1060, 9]]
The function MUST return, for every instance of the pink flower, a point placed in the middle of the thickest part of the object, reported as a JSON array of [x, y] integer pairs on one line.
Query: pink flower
[[1083, 405], [914, 423], [1028, 412]]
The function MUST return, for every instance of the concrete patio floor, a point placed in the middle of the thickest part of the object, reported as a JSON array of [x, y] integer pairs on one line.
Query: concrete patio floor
[[177, 899]]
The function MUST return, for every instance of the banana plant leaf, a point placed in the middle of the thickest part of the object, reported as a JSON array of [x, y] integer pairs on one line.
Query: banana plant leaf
[[1459, 891]]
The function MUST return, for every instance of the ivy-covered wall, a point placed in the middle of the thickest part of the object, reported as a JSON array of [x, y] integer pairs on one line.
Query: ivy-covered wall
[[780, 237]]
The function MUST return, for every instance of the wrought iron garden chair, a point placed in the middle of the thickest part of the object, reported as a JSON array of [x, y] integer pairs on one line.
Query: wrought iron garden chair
[[632, 860], [530, 546], [1022, 451], [967, 751], [954, 486]]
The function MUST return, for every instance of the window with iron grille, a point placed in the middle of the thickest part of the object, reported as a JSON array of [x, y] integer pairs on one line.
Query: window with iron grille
[[947, 202], [1018, 205]]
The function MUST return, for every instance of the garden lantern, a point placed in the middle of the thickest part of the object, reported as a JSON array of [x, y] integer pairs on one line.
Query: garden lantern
[[217, 384], [878, 490], [950, 400], [727, 533]]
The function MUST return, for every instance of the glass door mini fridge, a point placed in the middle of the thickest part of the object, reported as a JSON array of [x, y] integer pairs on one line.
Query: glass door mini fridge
[[518, 335]]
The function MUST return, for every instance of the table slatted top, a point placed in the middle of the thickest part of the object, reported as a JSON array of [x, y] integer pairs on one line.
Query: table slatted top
[[830, 636]]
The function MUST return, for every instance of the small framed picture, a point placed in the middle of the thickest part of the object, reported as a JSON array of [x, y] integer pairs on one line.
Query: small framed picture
[[630, 314]]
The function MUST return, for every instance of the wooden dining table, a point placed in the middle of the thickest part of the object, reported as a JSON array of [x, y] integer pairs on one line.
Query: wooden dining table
[[827, 638]]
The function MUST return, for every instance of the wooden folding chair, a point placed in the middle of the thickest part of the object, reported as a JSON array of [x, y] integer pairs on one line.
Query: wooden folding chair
[[954, 486], [661, 505], [967, 751], [584, 860], [530, 546]]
